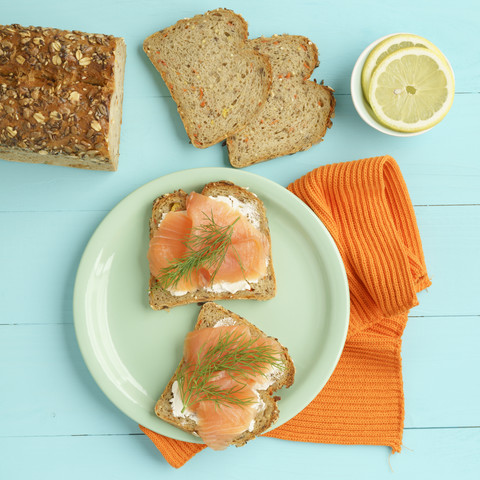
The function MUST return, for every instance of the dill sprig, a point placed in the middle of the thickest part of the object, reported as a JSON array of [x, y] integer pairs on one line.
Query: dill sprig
[[233, 353], [206, 246]]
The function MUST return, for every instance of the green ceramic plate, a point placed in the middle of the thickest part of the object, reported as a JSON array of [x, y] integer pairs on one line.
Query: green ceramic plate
[[132, 351]]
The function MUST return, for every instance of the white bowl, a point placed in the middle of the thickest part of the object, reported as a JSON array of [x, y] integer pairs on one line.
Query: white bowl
[[361, 105]]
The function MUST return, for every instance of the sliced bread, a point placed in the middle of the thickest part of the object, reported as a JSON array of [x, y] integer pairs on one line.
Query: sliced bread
[[264, 289], [210, 315], [297, 112], [218, 81]]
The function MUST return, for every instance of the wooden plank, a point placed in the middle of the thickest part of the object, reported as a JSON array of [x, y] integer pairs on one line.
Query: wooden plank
[[441, 361], [39, 257], [451, 243], [47, 389], [437, 453]]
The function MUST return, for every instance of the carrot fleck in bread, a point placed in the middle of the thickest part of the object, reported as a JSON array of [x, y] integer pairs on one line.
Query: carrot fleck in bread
[[206, 420], [297, 112], [217, 79]]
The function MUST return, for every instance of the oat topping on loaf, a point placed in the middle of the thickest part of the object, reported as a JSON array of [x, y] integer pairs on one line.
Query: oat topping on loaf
[[58, 54], [60, 96], [49, 119]]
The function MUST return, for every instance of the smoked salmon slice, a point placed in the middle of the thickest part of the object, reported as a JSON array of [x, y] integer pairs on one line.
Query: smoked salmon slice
[[218, 425], [168, 243], [220, 421], [246, 258]]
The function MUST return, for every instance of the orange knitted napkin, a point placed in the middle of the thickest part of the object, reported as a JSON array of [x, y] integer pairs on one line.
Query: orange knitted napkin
[[366, 208]]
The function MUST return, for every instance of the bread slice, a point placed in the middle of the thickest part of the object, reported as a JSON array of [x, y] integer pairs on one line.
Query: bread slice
[[297, 112], [209, 316], [218, 82], [264, 289]]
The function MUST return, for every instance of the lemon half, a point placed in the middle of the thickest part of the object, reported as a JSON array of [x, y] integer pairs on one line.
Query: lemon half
[[412, 89], [387, 47]]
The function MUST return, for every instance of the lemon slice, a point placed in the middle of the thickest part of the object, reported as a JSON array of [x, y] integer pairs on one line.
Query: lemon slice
[[387, 47], [412, 89]]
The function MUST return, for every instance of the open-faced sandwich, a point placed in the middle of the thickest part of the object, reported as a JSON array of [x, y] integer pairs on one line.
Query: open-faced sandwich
[[222, 390], [209, 246]]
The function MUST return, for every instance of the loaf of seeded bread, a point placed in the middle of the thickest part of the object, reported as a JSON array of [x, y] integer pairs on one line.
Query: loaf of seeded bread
[[264, 289], [217, 80], [61, 97], [210, 314], [297, 112]]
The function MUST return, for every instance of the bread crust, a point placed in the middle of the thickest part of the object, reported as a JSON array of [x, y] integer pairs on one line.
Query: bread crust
[[264, 289], [192, 123], [209, 315]]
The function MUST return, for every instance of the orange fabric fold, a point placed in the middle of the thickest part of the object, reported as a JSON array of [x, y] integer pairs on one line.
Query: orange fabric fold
[[366, 207]]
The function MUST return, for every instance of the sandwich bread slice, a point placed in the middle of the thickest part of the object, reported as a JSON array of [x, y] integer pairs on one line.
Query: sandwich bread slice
[[222, 390]]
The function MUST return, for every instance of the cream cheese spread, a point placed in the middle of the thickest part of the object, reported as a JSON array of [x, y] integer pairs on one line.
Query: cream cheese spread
[[177, 293], [246, 209], [220, 287], [177, 404], [225, 322], [230, 287]]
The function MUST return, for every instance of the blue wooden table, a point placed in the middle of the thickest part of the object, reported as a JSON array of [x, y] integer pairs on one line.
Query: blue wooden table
[[56, 423]]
